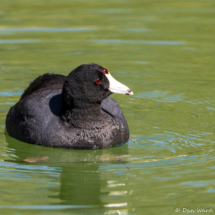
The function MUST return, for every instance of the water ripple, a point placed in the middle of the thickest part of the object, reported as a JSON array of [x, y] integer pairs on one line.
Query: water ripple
[[19, 41], [11, 93], [149, 42], [44, 207], [158, 94], [20, 30], [138, 30], [113, 41]]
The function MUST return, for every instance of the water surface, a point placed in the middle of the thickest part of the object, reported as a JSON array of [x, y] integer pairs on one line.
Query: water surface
[[164, 51]]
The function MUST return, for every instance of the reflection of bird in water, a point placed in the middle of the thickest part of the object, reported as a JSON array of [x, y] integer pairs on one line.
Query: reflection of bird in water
[[83, 182]]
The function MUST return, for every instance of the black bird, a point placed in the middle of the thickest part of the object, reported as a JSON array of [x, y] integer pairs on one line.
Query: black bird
[[73, 111]]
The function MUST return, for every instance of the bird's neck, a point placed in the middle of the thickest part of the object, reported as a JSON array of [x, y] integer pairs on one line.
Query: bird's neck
[[78, 115]]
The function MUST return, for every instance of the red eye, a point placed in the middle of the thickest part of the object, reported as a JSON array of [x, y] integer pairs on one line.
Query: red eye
[[98, 81]]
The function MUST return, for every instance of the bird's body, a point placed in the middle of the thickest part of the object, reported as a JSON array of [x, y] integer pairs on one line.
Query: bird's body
[[67, 111]]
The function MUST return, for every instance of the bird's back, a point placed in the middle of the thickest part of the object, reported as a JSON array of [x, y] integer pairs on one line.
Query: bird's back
[[28, 118]]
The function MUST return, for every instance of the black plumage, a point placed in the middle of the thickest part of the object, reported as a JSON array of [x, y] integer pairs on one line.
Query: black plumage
[[69, 111]]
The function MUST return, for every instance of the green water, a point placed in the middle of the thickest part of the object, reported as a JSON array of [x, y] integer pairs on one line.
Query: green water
[[164, 51]]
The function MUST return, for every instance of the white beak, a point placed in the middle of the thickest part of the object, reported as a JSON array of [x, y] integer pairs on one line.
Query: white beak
[[117, 87]]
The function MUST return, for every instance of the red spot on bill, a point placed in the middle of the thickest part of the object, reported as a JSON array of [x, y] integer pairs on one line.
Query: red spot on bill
[[105, 71]]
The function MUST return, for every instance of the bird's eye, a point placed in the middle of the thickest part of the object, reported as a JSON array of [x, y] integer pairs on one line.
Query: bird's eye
[[98, 81]]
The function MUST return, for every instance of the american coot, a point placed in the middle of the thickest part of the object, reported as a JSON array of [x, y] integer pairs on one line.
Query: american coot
[[73, 111]]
